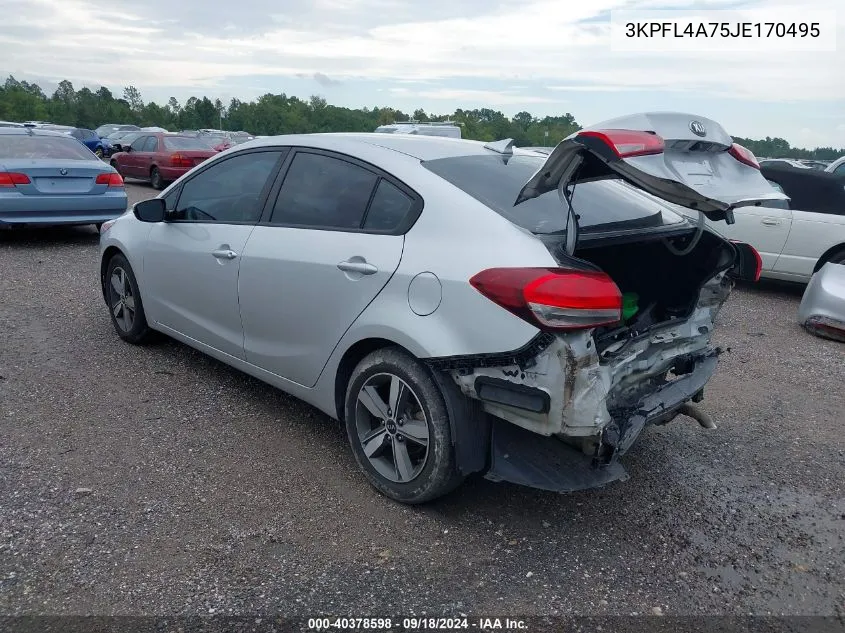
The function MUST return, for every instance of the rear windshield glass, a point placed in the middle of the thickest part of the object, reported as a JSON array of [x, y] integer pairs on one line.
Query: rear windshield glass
[[184, 142], [59, 147], [601, 206]]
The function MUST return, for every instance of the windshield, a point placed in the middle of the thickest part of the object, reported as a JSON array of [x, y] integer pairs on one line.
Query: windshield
[[185, 142], [58, 147], [601, 205]]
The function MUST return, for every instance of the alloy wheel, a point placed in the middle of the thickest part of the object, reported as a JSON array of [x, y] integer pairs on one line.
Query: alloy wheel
[[392, 428], [122, 300]]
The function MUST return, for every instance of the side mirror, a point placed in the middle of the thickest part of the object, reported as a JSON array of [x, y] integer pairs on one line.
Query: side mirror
[[150, 210]]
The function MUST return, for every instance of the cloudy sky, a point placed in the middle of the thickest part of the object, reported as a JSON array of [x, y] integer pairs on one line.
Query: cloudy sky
[[544, 56]]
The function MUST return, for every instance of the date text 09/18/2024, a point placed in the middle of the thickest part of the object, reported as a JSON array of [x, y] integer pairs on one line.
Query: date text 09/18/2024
[[416, 624]]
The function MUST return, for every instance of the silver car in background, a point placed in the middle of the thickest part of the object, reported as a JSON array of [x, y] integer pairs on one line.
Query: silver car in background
[[460, 307]]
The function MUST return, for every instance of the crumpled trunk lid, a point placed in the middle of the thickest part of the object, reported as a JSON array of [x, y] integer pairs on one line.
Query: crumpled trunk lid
[[682, 158]]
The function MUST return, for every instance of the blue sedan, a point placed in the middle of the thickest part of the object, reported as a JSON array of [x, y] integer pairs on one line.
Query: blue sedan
[[49, 177]]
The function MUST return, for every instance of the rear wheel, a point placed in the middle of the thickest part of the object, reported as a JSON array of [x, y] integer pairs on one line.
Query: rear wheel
[[155, 179], [124, 300], [398, 428]]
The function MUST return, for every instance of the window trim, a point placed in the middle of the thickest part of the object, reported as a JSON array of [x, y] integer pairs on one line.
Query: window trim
[[265, 191], [417, 202]]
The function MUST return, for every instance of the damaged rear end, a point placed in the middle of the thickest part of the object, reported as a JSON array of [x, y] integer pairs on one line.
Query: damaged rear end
[[626, 317]]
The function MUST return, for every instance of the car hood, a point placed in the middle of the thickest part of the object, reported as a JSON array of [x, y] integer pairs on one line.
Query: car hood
[[684, 159]]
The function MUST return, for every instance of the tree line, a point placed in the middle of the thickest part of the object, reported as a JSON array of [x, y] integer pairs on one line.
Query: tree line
[[273, 114]]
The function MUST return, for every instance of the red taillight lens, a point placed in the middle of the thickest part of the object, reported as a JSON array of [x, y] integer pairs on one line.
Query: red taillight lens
[[627, 143], [744, 155], [178, 160], [748, 254], [110, 180], [554, 298], [11, 179]]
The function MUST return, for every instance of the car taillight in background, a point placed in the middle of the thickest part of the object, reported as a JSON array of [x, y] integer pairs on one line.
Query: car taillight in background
[[749, 264], [106, 226], [553, 298], [12, 179], [178, 160], [627, 143], [744, 155], [110, 180]]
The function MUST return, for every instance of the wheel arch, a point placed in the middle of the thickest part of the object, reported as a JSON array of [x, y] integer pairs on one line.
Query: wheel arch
[[108, 254], [827, 255]]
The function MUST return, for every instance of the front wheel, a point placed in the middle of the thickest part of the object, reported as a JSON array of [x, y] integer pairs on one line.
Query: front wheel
[[124, 300], [155, 179], [398, 427]]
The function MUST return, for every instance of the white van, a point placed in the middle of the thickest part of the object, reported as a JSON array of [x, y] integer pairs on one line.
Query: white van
[[437, 128]]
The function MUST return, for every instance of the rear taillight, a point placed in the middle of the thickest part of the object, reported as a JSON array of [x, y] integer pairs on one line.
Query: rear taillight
[[553, 298], [110, 180], [178, 160], [749, 265], [12, 179], [744, 155], [628, 143]]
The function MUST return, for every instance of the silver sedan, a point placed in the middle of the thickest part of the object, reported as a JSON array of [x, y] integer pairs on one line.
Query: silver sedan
[[460, 307]]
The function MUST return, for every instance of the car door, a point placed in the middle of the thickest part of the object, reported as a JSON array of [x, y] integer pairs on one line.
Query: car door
[[766, 228], [144, 158], [191, 260], [129, 163], [330, 243]]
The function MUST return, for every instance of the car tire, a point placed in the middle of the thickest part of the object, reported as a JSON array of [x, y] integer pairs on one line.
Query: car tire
[[124, 301], [155, 179], [406, 455], [99, 153]]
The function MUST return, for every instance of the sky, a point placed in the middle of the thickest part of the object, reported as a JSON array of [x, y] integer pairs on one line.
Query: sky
[[544, 56]]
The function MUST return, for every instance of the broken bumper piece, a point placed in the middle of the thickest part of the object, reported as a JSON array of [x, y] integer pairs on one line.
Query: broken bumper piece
[[522, 457]]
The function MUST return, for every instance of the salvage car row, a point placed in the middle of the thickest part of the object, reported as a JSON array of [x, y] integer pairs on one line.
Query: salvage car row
[[337, 268]]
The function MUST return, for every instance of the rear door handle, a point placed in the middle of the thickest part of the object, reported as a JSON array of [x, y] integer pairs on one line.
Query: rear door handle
[[364, 268], [224, 253], [770, 222]]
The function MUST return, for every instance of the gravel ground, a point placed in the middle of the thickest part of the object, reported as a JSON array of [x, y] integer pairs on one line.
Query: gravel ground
[[155, 480]]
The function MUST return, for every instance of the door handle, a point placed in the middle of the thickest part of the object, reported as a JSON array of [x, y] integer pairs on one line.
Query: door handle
[[362, 267], [770, 222], [224, 253]]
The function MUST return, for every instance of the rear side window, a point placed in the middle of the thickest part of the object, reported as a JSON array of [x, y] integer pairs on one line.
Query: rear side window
[[323, 192], [138, 144], [184, 142], [151, 145], [34, 147], [601, 206], [389, 208]]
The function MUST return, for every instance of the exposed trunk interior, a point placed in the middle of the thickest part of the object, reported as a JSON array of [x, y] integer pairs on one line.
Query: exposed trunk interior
[[657, 284]]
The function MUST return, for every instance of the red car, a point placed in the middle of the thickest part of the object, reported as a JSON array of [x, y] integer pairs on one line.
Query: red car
[[161, 158]]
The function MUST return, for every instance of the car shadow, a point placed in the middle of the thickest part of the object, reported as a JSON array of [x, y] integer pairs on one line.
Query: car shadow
[[774, 286], [47, 235]]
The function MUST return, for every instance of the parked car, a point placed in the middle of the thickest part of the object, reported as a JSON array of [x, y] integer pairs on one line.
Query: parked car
[[436, 128], [784, 162], [110, 128], [837, 167], [822, 309], [100, 146], [36, 123], [46, 177], [160, 157], [815, 164], [11, 124], [338, 268], [231, 139], [121, 140], [795, 237]]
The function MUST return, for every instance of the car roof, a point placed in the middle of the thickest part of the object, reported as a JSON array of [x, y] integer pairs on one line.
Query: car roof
[[419, 147], [30, 131]]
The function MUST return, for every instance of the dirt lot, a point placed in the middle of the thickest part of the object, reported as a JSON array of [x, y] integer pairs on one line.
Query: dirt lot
[[155, 480]]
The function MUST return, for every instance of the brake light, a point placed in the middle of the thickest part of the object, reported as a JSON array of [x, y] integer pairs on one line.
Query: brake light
[[554, 298], [628, 143], [178, 160], [744, 155], [11, 179], [743, 265], [110, 180]]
